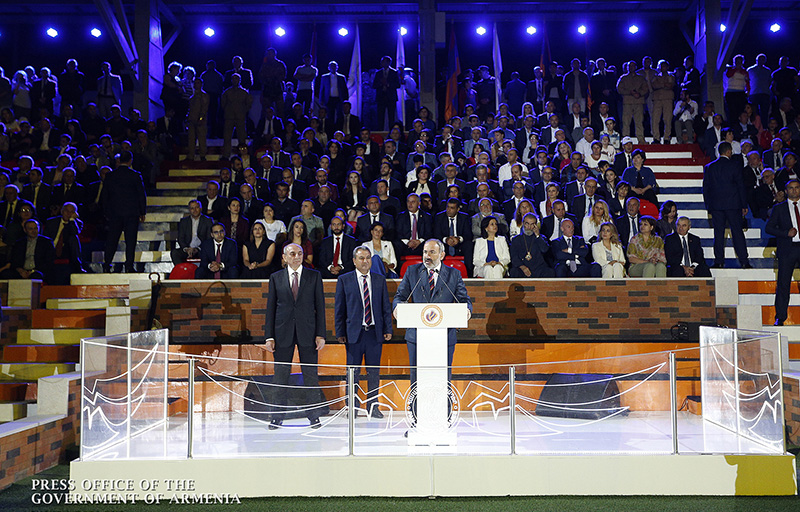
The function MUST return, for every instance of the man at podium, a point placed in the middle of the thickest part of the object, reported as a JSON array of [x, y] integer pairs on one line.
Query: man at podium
[[431, 281]]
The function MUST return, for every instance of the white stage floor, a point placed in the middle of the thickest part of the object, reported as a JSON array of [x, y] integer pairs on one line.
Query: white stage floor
[[234, 435]]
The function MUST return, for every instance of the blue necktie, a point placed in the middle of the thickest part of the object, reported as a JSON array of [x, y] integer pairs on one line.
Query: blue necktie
[[452, 250]]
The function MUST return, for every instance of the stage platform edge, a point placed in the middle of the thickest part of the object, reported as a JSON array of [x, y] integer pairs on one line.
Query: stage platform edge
[[416, 476]]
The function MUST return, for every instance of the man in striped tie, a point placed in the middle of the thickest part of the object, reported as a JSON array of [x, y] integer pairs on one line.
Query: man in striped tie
[[364, 321]]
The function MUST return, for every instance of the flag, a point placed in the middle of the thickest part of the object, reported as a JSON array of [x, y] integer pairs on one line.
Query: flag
[[498, 68], [354, 77], [545, 59], [400, 61], [451, 101], [313, 50]]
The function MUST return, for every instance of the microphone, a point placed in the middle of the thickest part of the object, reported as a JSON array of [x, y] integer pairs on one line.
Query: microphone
[[448, 287]]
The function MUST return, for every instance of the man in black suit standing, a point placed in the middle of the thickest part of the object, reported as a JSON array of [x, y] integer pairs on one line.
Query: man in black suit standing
[[685, 252], [726, 201], [192, 232], [386, 84], [784, 224], [335, 251], [219, 256], [125, 203], [364, 321], [348, 123], [624, 159], [295, 317]]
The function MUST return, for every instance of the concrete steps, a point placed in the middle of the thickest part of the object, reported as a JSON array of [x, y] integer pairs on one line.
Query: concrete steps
[[50, 319], [40, 353], [33, 371], [14, 410], [85, 303], [18, 391], [61, 336]]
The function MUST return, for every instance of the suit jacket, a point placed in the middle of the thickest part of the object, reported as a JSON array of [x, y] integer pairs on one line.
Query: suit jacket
[[114, 85], [364, 223], [546, 137], [624, 227], [246, 78], [218, 209], [354, 125], [185, 230], [229, 256], [298, 191], [392, 84], [348, 310], [549, 224], [532, 95], [260, 191], [673, 250], [76, 194], [579, 249], [621, 163], [288, 317], [449, 288], [521, 137], [469, 145], [456, 142], [325, 88], [123, 193], [256, 210], [42, 206], [326, 251], [17, 208], [509, 209], [424, 225], [441, 230], [277, 128], [569, 84], [578, 207], [43, 254], [441, 187], [471, 190], [768, 157], [778, 225], [280, 160], [723, 188]]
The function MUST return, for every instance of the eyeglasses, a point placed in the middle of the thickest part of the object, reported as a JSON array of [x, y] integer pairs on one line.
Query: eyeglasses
[[217, 232]]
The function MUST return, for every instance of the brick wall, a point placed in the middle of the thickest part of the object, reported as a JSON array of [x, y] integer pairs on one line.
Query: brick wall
[[41, 446], [13, 319], [504, 310], [4, 293], [791, 397]]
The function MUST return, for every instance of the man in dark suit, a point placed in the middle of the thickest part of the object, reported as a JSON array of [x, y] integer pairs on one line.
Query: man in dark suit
[[386, 84], [268, 126], [414, 226], [482, 176], [726, 201], [773, 157], [783, 224], [219, 256], [280, 158], [192, 231], [448, 143], [788, 171], [582, 204], [766, 195], [570, 253], [45, 135], [624, 159], [301, 172], [295, 317], [540, 189], [450, 173], [285, 207], [260, 186], [67, 191], [37, 193], [551, 225], [40, 247], [125, 203], [335, 251], [348, 123], [64, 231], [684, 252], [364, 321], [604, 87], [426, 282], [331, 95], [11, 205], [628, 224], [253, 208], [510, 205], [212, 204], [528, 251], [548, 133], [373, 215], [454, 228]]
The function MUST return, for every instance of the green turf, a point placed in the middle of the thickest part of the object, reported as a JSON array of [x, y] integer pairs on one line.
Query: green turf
[[17, 498]]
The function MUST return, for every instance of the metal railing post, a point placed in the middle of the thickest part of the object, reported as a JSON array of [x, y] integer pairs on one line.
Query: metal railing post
[[190, 423], [512, 407], [351, 409], [673, 399]]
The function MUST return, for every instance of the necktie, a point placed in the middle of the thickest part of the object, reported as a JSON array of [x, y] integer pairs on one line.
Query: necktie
[[60, 239], [247, 206], [10, 212], [558, 228], [628, 159], [634, 227], [295, 284], [374, 219], [778, 160], [580, 188], [367, 305], [217, 274], [336, 251], [572, 264], [687, 261], [35, 195], [99, 191], [796, 214], [590, 206], [413, 226], [431, 282], [451, 249], [774, 191]]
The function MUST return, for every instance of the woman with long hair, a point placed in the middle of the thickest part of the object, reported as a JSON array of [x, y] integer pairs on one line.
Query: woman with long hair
[[237, 226], [257, 253], [646, 251], [515, 227], [551, 194], [608, 253], [590, 226], [298, 234], [354, 196], [667, 219]]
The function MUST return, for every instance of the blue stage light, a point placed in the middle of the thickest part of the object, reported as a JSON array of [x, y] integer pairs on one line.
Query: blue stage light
[[280, 32], [722, 27], [403, 31], [480, 31], [633, 29], [96, 32], [775, 27], [209, 32], [582, 29], [52, 32], [343, 32], [531, 30]]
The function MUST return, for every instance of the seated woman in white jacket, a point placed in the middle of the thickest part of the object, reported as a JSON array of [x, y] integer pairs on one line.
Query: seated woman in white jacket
[[383, 249], [491, 255], [607, 252], [591, 223]]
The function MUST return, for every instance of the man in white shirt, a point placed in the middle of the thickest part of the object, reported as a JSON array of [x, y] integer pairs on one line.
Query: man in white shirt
[[305, 76]]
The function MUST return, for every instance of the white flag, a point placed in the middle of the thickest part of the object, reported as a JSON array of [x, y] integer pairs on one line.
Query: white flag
[[400, 62], [498, 68], [354, 78]]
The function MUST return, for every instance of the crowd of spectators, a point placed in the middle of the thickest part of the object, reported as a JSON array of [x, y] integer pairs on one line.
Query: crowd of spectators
[[547, 183]]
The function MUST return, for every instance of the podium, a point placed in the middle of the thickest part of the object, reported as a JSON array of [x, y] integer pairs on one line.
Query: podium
[[432, 387]]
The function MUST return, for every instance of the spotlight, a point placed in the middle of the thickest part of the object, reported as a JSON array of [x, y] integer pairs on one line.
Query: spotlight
[[403, 31], [582, 29], [96, 32], [633, 29], [722, 27], [52, 32], [280, 32], [480, 31], [531, 30], [343, 32], [209, 32], [775, 27]]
